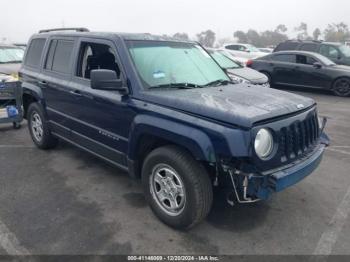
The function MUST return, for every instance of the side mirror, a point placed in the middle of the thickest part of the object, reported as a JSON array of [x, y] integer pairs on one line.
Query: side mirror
[[103, 79], [317, 65], [247, 50]]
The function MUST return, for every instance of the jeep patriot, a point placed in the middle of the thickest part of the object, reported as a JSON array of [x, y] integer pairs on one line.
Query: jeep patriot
[[164, 111]]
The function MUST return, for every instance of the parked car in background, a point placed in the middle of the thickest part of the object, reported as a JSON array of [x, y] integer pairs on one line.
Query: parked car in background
[[266, 50], [164, 111], [10, 59], [237, 72], [239, 60], [337, 52], [22, 45], [304, 69], [244, 50]]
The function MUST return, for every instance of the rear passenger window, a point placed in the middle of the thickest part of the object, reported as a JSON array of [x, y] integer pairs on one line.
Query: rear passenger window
[[34, 53], [309, 47], [287, 46], [59, 56], [232, 47], [285, 58]]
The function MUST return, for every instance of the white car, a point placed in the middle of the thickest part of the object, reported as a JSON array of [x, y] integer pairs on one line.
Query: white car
[[246, 51], [240, 60]]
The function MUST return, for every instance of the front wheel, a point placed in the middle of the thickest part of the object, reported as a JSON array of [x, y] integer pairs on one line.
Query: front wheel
[[177, 187], [341, 87]]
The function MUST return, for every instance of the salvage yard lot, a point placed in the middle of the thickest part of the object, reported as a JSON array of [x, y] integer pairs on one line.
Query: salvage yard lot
[[65, 201]]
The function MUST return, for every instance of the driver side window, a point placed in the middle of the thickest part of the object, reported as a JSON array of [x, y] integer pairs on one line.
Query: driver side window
[[96, 56], [329, 51]]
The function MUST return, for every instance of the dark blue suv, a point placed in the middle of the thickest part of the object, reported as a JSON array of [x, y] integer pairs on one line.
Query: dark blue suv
[[165, 111]]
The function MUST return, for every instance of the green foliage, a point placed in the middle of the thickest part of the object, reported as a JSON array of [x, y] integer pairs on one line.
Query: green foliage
[[337, 32], [266, 38], [206, 38]]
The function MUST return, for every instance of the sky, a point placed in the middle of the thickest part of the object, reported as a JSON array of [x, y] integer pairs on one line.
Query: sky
[[25, 17]]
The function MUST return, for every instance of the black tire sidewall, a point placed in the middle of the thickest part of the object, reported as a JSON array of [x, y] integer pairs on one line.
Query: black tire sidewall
[[188, 215], [335, 88]]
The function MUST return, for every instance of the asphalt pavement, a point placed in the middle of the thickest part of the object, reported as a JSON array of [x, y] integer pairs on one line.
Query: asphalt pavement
[[65, 201]]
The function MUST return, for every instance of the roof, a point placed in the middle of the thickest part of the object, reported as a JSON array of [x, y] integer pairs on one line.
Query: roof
[[294, 52], [125, 36]]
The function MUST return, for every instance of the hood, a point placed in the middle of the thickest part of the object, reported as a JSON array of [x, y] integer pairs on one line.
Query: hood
[[250, 74], [9, 69], [342, 67], [234, 104]]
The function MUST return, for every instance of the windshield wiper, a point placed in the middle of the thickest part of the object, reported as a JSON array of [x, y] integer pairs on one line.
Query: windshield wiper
[[219, 82], [176, 85]]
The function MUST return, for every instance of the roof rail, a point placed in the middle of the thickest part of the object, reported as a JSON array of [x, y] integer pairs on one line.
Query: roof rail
[[77, 29]]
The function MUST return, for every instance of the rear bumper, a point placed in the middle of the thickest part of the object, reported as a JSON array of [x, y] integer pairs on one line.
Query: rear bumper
[[277, 181]]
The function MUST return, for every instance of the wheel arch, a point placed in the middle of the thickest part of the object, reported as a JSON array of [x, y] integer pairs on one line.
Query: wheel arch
[[150, 132]]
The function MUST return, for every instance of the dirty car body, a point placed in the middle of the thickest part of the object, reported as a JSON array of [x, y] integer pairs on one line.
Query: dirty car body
[[162, 105]]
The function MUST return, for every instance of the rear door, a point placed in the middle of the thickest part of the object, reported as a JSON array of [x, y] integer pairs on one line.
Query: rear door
[[55, 82], [283, 68]]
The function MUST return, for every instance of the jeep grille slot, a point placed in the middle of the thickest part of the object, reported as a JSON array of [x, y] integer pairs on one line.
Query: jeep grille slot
[[298, 138]]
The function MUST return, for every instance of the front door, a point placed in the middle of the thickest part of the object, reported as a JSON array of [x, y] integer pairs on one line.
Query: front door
[[102, 119]]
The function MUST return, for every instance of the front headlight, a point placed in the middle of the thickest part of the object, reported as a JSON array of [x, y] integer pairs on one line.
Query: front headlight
[[239, 80], [263, 143]]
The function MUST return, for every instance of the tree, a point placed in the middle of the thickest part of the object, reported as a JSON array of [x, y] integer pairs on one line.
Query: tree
[[281, 29], [241, 36], [316, 34], [206, 38], [254, 37], [337, 32], [181, 36], [302, 30]]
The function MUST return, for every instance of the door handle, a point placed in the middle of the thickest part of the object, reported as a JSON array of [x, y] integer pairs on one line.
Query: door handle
[[43, 83], [76, 93]]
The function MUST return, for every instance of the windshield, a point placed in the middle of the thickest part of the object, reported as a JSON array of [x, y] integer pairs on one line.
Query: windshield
[[345, 50], [11, 55], [223, 60], [161, 63], [252, 48]]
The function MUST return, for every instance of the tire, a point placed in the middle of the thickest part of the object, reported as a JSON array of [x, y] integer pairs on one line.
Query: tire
[[197, 189], [341, 87], [39, 128]]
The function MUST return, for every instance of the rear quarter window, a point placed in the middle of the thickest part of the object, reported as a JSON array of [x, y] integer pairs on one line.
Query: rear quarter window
[[34, 53], [287, 46]]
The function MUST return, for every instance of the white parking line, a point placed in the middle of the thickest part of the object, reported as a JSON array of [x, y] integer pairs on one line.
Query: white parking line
[[339, 151], [9, 242], [330, 236], [16, 146]]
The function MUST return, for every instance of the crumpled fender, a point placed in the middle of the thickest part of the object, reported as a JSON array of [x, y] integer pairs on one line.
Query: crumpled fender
[[194, 140]]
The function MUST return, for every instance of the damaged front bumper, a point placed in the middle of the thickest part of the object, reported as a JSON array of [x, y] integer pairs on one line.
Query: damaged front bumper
[[249, 188]]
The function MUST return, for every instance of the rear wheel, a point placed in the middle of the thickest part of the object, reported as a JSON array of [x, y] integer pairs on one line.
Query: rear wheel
[[177, 187], [341, 87], [39, 128]]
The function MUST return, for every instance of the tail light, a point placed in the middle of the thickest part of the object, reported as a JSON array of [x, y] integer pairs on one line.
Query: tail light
[[249, 63]]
